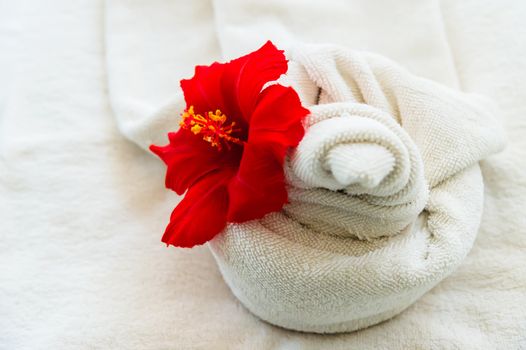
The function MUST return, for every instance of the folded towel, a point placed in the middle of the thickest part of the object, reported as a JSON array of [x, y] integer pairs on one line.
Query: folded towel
[[367, 154], [385, 196]]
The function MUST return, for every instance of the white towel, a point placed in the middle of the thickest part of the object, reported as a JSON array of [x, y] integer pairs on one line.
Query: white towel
[[83, 208], [361, 240]]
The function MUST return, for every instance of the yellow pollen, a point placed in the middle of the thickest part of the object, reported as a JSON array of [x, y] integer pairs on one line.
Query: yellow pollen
[[212, 127], [196, 129]]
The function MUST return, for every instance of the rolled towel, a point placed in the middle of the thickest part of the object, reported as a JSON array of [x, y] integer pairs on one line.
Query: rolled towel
[[366, 154], [385, 196]]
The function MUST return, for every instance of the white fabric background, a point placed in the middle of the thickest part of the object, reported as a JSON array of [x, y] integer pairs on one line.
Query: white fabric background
[[82, 208]]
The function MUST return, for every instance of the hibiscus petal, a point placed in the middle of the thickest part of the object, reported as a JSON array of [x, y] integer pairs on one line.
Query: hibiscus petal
[[245, 77], [189, 157], [203, 90], [201, 214], [277, 118], [259, 185]]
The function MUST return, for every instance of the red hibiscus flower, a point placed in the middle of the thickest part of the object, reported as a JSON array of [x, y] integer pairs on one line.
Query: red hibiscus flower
[[228, 154]]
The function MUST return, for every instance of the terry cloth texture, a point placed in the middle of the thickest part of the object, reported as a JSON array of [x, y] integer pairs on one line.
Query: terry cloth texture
[[360, 240], [83, 208]]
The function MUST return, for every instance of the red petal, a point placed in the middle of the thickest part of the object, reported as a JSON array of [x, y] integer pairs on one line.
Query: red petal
[[259, 186], [244, 78], [189, 157], [278, 117], [201, 214], [203, 90]]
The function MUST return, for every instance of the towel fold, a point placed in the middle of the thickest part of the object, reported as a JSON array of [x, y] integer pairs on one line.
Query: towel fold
[[385, 196], [364, 153]]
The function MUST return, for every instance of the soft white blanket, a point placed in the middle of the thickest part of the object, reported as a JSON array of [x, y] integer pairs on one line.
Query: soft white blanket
[[82, 208]]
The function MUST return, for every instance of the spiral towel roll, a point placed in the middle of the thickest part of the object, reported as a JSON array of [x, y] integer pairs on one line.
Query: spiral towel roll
[[385, 196]]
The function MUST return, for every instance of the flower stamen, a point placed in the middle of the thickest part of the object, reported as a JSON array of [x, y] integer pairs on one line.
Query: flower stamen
[[211, 126]]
